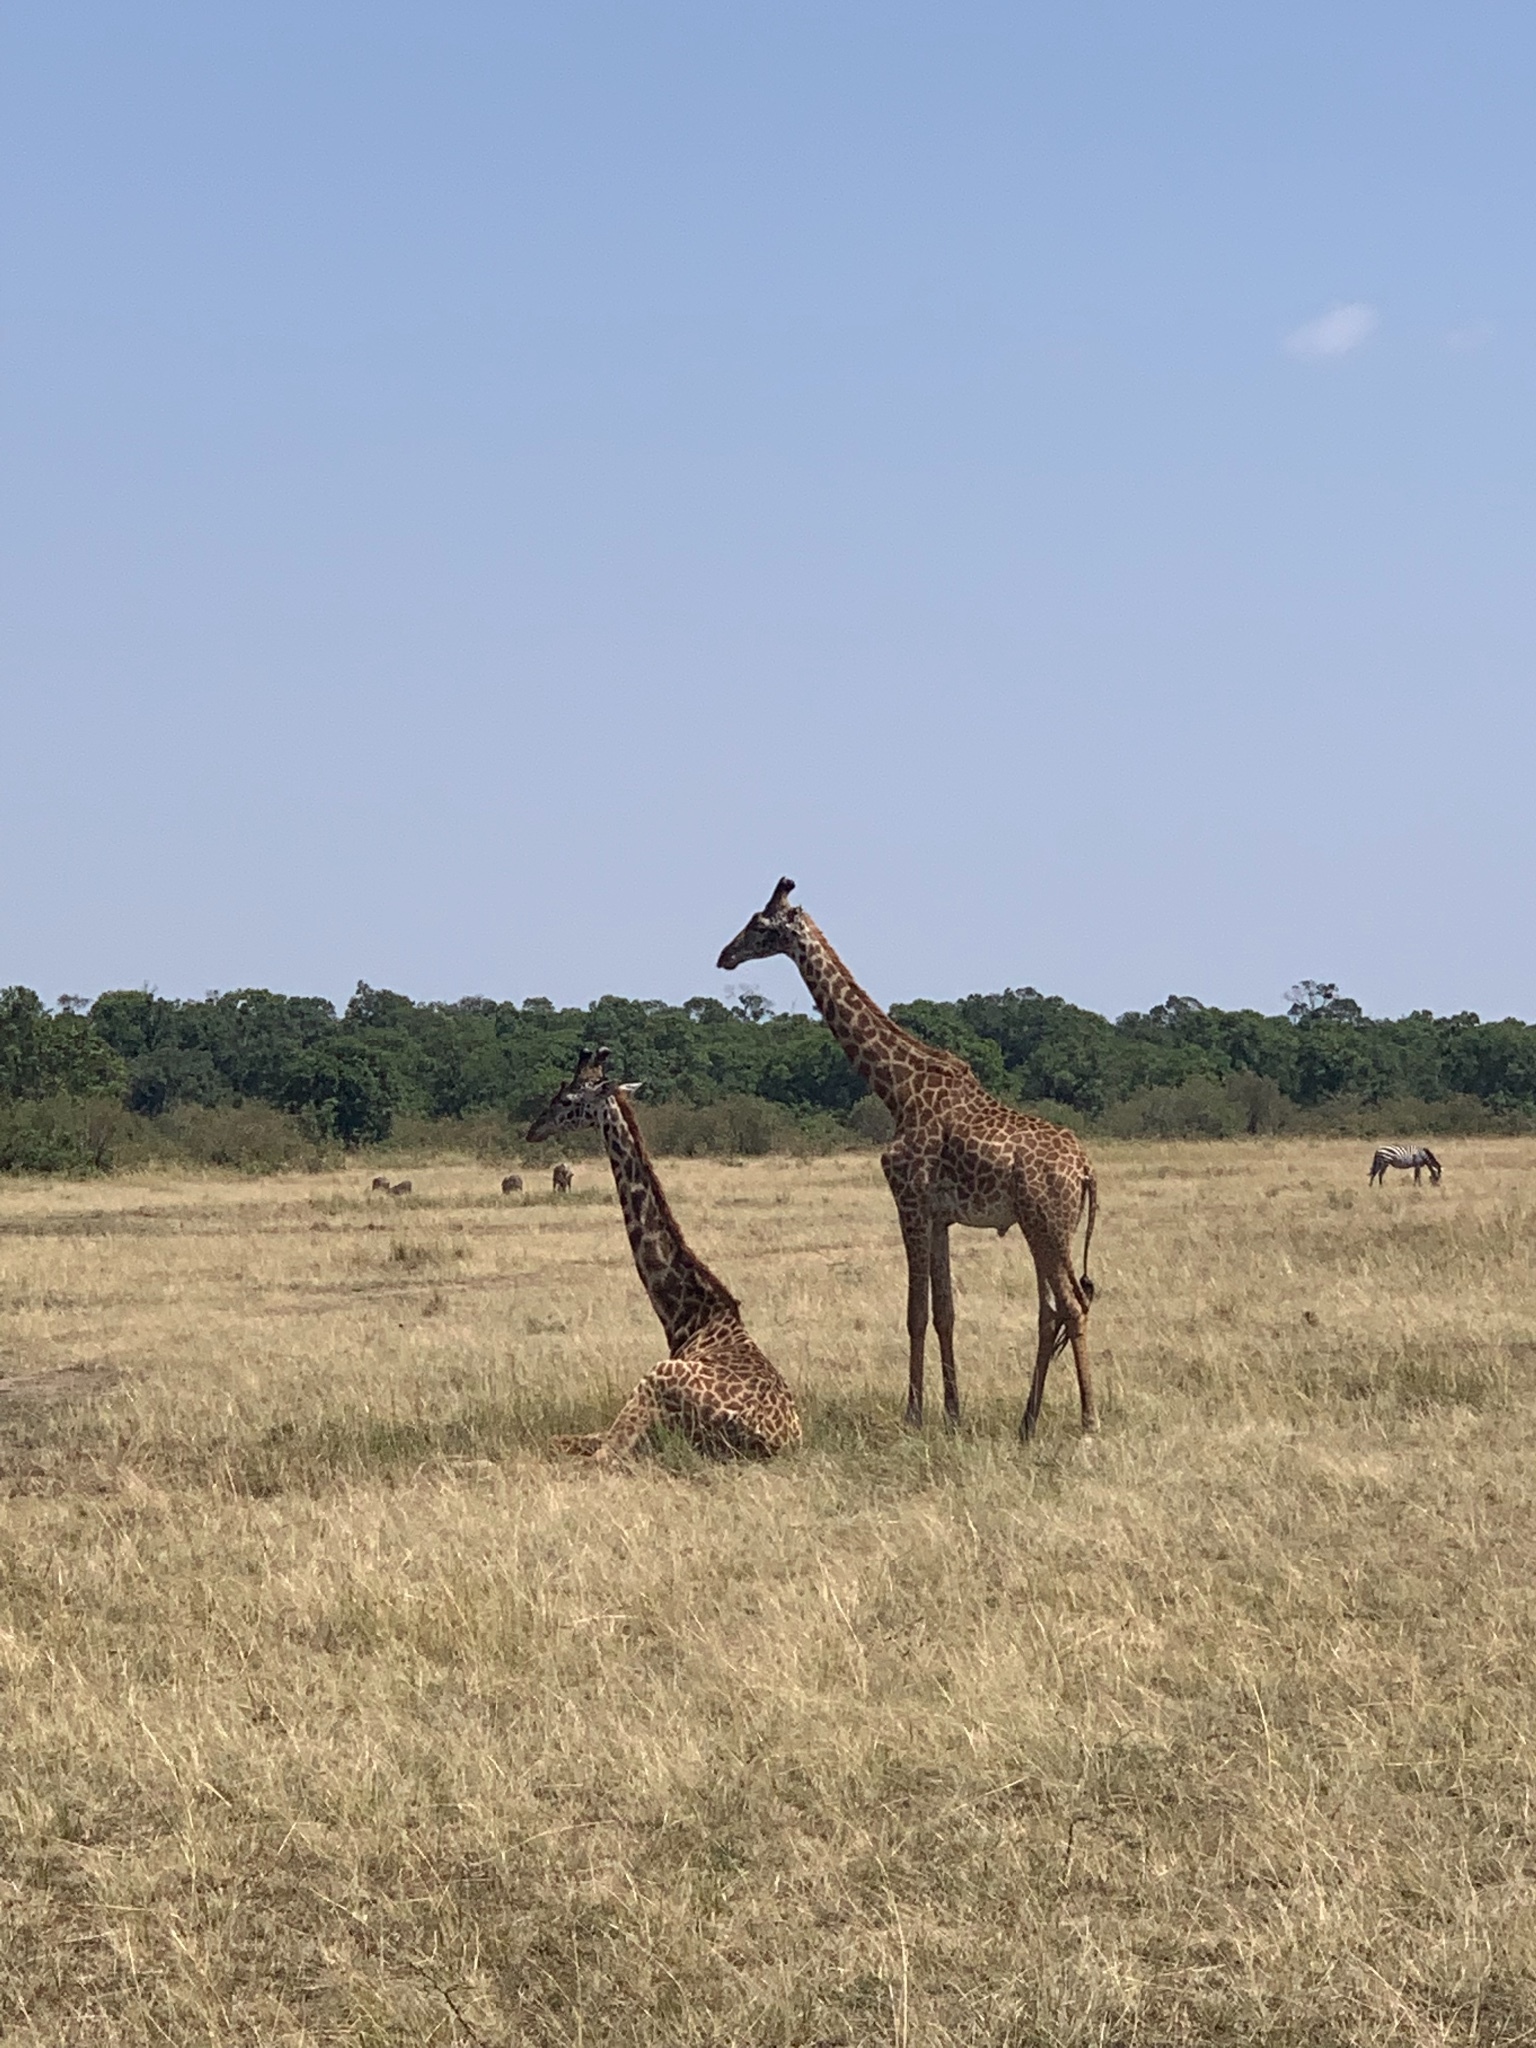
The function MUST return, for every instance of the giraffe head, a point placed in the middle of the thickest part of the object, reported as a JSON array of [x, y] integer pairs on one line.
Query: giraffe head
[[772, 930], [579, 1101]]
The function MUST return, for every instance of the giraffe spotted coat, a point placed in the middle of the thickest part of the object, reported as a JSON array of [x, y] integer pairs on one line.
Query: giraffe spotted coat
[[958, 1156], [715, 1386]]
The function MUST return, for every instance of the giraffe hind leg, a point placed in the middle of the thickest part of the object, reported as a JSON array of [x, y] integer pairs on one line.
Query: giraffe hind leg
[[1077, 1334], [1045, 1351], [700, 1407], [1063, 1321], [719, 1432]]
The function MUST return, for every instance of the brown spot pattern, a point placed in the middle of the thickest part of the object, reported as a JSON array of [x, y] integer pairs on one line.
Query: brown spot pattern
[[958, 1156], [716, 1386]]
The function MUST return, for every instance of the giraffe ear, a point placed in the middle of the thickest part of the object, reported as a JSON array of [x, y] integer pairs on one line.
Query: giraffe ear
[[629, 1088], [779, 900]]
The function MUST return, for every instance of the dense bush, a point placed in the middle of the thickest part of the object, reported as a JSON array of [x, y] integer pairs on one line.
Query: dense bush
[[254, 1138], [485, 1138], [737, 1124], [1260, 1105], [93, 1134], [870, 1121], [63, 1134], [717, 1077], [1395, 1115], [1197, 1108]]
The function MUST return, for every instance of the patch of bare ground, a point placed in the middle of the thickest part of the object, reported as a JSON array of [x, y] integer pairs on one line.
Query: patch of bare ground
[[335, 1709]]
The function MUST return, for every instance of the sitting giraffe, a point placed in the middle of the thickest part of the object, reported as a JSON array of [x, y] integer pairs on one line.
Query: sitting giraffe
[[958, 1156], [715, 1386], [562, 1178]]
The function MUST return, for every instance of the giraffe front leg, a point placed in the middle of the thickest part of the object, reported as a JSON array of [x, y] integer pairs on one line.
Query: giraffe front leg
[[633, 1423], [914, 1230], [944, 1317]]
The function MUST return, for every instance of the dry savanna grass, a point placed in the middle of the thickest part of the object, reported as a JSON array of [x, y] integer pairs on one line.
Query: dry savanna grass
[[336, 1709]]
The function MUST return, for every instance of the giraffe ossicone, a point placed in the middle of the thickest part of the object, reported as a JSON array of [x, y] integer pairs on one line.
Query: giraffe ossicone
[[958, 1155], [715, 1385]]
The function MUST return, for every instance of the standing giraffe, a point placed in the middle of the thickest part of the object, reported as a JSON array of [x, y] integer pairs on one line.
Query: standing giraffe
[[958, 1156], [715, 1385]]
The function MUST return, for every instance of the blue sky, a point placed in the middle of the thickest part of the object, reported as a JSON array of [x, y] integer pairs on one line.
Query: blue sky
[[487, 488]]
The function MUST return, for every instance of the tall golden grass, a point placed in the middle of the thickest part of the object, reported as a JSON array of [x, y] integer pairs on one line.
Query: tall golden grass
[[335, 1709]]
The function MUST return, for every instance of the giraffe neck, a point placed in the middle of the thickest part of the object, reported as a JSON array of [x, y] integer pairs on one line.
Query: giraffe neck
[[889, 1059], [683, 1291]]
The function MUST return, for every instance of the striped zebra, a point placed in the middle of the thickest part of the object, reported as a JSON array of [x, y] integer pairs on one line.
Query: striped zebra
[[1416, 1156]]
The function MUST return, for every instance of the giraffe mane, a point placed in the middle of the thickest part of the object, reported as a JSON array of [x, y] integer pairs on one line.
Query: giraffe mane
[[937, 1055]]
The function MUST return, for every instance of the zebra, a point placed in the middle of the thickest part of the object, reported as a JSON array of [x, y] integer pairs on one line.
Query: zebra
[[513, 1184], [1416, 1156], [562, 1178]]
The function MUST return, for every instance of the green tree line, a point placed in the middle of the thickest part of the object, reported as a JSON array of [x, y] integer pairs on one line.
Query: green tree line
[[351, 1078]]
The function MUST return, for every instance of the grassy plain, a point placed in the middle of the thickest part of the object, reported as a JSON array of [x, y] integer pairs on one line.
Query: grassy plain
[[334, 1709]]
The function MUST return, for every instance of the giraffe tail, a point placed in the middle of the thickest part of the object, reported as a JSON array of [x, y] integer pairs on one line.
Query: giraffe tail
[[1091, 1201]]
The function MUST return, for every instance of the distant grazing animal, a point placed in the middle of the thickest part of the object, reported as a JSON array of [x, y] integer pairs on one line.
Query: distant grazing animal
[[957, 1156], [1416, 1156], [513, 1184], [380, 1184], [401, 1187], [561, 1178], [715, 1385]]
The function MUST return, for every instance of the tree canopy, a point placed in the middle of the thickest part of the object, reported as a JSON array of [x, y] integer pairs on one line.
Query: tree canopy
[[350, 1075]]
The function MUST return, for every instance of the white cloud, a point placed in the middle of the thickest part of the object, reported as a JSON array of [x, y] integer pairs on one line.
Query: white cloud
[[1334, 333]]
